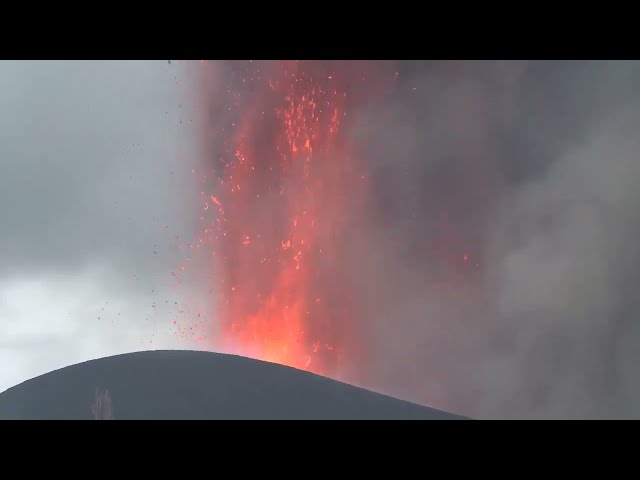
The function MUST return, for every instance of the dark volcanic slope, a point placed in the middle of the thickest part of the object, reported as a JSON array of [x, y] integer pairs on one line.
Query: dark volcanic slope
[[199, 385]]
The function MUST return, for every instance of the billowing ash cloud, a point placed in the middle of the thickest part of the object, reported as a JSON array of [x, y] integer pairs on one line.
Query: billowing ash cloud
[[503, 242]]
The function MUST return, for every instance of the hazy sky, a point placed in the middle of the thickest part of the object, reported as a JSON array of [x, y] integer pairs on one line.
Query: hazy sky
[[501, 268], [94, 186]]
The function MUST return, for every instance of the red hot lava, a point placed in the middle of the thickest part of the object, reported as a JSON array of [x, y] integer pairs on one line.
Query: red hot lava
[[278, 218]]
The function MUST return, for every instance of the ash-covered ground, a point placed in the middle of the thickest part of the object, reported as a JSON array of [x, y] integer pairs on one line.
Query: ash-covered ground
[[165, 385]]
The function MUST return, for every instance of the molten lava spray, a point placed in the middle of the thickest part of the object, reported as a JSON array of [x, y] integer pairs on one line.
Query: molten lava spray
[[287, 192]]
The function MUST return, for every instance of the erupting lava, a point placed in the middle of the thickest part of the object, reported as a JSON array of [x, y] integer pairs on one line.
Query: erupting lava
[[278, 216]]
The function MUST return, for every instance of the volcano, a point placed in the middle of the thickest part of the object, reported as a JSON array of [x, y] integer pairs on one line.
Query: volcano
[[165, 385]]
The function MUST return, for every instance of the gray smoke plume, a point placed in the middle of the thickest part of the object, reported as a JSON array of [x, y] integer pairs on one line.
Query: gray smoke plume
[[504, 238]]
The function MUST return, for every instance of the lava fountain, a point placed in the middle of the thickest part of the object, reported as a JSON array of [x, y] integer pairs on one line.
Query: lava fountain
[[284, 194]]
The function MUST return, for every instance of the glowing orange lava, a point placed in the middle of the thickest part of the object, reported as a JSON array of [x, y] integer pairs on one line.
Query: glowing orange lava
[[285, 184]]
